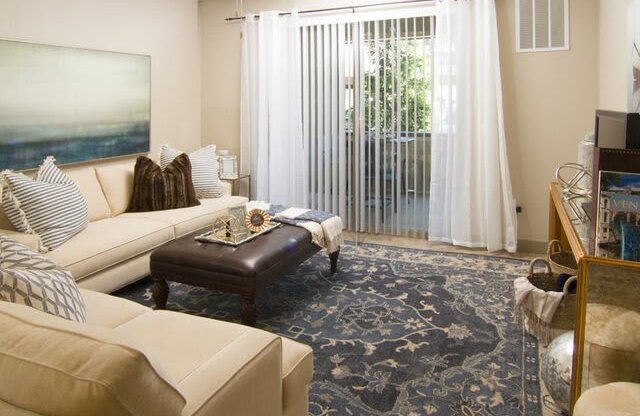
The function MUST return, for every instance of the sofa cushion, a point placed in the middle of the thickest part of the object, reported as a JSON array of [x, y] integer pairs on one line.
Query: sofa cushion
[[97, 376], [117, 184], [204, 168], [231, 369], [186, 220], [118, 276], [50, 291], [7, 409], [109, 311], [107, 242], [156, 189], [180, 355], [90, 188], [50, 205]]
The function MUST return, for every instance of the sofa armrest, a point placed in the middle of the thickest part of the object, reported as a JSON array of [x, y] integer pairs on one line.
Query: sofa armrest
[[242, 379], [30, 240], [226, 188]]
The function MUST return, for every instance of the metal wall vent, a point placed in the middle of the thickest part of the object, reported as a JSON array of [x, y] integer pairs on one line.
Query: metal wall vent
[[542, 25]]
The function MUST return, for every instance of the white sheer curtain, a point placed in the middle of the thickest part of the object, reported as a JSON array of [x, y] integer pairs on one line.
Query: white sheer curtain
[[271, 136], [471, 199]]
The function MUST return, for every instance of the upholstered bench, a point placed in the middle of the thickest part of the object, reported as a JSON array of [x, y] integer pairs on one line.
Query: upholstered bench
[[615, 399], [245, 269]]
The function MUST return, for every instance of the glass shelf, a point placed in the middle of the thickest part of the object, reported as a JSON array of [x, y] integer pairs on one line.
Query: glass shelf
[[578, 216]]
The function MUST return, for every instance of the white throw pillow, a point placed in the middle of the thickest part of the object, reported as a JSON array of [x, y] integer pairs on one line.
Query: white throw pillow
[[51, 291], [50, 206], [204, 169]]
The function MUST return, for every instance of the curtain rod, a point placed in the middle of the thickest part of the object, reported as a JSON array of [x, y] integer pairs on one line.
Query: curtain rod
[[335, 9]]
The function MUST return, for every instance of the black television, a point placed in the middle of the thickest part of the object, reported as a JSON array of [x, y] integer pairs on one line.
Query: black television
[[617, 130]]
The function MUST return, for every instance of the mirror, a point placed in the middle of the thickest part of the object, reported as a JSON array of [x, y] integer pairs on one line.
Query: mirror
[[608, 333], [257, 220]]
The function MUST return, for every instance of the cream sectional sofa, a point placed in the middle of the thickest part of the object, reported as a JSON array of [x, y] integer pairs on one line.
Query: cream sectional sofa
[[128, 359], [114, 249], [52, 366]]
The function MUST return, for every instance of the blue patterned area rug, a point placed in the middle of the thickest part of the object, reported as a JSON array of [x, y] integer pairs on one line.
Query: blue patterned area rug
[[396, 331]]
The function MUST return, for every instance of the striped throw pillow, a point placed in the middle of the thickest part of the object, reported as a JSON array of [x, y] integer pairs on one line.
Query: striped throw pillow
[[50, 206], [204, 169]]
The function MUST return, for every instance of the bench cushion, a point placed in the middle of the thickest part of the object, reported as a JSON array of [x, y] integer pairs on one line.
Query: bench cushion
[[614, 399]]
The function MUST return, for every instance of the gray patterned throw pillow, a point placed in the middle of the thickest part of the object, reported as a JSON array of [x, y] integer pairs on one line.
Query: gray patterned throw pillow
[[31, 279], [15, 255], [51, 291]]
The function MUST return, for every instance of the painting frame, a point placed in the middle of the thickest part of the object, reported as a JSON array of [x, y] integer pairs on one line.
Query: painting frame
[[76, 104]]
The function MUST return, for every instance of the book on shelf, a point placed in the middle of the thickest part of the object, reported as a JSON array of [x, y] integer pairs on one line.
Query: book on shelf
[[612, 160], [618, 219]]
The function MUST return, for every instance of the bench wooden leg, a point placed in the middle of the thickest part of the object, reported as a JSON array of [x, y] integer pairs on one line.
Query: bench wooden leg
[[249, 312], [160, 293], [334, 261]]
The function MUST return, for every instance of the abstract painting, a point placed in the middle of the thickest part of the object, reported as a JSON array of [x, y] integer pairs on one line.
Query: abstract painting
[[75, 104]]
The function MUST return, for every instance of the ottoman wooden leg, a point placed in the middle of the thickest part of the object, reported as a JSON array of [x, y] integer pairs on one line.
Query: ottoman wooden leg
[[334, 261], [249, 312], [160, 293]]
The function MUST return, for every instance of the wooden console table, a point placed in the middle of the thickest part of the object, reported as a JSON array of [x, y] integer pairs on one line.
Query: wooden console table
[[613, 283]]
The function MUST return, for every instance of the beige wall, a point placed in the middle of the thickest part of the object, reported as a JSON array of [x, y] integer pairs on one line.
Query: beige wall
[[165, 29], [550, 100], [612, 54]]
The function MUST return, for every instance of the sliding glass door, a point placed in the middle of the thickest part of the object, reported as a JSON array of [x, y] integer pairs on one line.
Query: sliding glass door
[[366, 108]]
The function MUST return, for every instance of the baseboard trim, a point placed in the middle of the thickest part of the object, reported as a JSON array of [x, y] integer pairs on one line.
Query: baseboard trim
[[530, 246]]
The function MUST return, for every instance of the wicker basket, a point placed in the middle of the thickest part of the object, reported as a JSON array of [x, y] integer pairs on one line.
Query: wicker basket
[[565, 315], [561, 261]]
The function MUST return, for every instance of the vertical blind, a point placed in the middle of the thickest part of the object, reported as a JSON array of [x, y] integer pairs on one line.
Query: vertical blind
[[366, 102]]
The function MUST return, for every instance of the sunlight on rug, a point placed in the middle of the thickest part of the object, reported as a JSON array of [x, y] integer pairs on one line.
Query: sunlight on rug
[[396, 331]]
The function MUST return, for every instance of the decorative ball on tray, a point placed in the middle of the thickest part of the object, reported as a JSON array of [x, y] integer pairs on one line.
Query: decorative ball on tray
[[556, 368], [257, 220]]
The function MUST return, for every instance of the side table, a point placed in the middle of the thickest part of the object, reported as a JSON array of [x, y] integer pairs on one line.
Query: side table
[[235, 183], [607, 294]]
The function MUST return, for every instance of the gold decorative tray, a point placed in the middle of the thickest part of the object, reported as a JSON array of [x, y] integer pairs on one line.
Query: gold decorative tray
[[209, 237]]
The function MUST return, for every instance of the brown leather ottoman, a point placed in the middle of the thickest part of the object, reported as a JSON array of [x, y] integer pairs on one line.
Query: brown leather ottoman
[[245, 269]]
